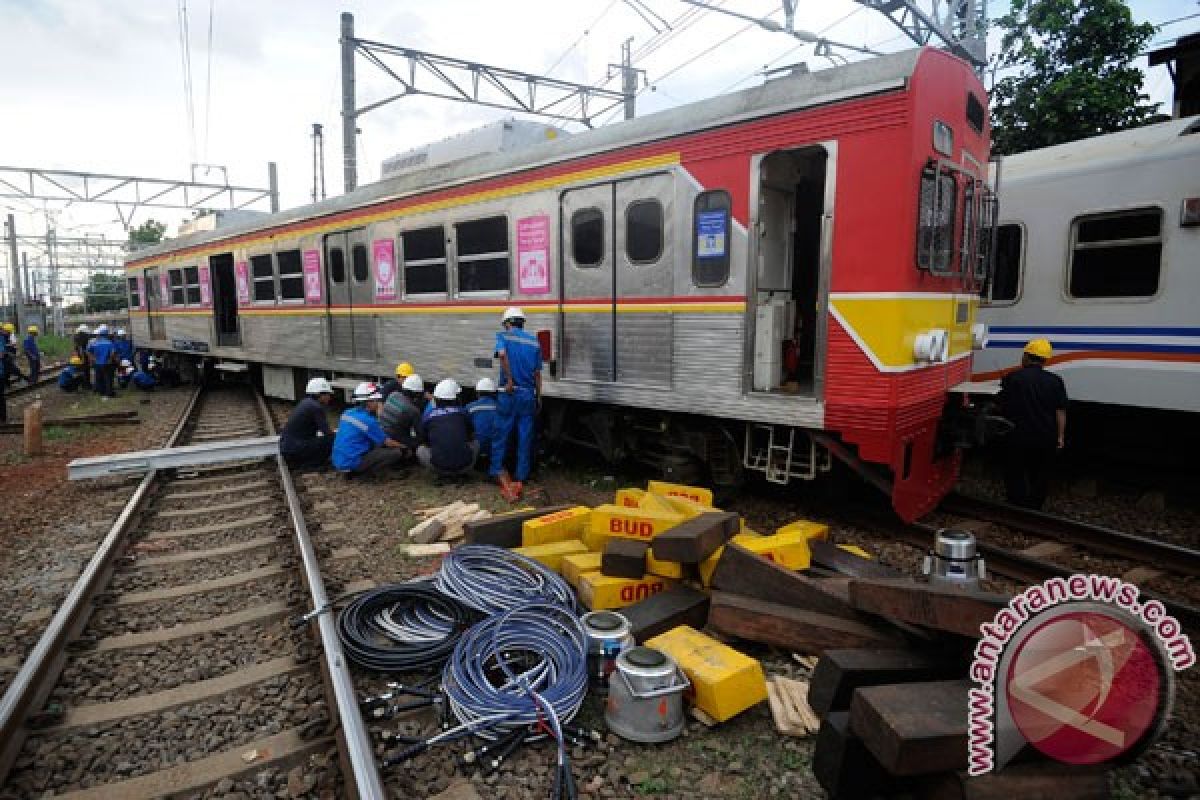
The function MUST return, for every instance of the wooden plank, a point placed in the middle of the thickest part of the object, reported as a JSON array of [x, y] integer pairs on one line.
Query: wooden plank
[[790, 709], [913, 728], [695, 539], [1041, 780], [679, 605], [840, 672], [791, 628], [742, 572], [937, 606], [830, 556], [504, 530], [624, 558], [844, 766]]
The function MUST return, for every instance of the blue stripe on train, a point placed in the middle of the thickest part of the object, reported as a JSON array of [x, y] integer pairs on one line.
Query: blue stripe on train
[[1116, 330], [1117, 346]]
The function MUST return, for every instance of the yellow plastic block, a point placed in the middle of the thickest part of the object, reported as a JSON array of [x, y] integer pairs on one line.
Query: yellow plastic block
[[576, 564], [597, 591], [595, 540], [629, 498], [813, 530], [663, 569], [856, 550], [786, 549], [654, 502], [630, 523], [689, 508], [695, 493], [557, 527], [724, 681], [551, 554]]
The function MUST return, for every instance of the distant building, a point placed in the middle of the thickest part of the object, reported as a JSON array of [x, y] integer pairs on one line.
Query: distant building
[[497, 137], [1183, 62]]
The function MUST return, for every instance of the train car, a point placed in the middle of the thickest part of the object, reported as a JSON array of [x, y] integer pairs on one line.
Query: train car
[[1098, 250], [755, 282]]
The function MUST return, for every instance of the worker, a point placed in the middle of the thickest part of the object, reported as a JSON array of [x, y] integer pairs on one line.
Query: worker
[[166, 376], [32, 354], [306, 440], [447, 443], [11, 370], [82, 338], [125, 372], [1035, 402], [143, 381], [71, 378], [519, 396], [402, 411], [483, 418], [403, 370], [361, 447], [124, 345], [3, 392], [103, 355]]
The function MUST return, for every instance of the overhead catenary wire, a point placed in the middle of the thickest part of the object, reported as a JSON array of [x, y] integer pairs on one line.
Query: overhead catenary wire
[[586, 31], [208, 82], [185, 53]]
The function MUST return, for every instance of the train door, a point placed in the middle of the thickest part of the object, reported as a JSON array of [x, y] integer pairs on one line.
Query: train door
[[225, 301], [350, 294], [154, 305], [588, 284], [792, 226], [644, 273]]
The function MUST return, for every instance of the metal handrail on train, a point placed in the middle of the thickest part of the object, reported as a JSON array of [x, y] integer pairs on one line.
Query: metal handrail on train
[[40, 671], [367, 783]]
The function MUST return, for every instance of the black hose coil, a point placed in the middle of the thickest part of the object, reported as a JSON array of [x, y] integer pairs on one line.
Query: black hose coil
[[403, 627]]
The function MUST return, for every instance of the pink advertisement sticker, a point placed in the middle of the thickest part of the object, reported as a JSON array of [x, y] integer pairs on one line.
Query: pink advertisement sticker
[[241, 276], [533, 254], [384, 251], [164, 289], [205, 287], [312, 277]]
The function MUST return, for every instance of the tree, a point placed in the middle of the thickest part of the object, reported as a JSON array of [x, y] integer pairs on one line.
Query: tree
[[104, 292], [1075, 76], [149, 232]]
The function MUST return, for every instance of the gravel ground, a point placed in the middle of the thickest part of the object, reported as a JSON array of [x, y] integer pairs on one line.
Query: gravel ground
[[114, 621], [202, 569]]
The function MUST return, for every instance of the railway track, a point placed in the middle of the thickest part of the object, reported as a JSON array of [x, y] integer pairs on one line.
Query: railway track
[[171, 666], [47, 378]]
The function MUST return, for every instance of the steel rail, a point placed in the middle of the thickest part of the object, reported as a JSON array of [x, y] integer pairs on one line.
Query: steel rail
[[40, 672], [43, 380], [359, 753], [1161, 555]]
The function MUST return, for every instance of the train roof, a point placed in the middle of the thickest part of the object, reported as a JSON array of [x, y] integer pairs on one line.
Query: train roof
[[1163, 140], [870, 76]]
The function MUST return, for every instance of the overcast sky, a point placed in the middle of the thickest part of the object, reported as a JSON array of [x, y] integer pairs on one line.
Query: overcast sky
[[98, 86]]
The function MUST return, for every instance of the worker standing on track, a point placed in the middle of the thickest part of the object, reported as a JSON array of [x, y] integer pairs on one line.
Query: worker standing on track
[[448, 446], [306, 440], [32, 354], [104, 355], [403, 370], [402, 411], [11, 370], [1035, 401], [83, 337], [71, 378], [124, 345], [483, 418], [518, 399], [361, 447]]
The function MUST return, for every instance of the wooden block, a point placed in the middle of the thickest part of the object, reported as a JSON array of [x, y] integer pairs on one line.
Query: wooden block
[[1041, 780], [913, 728], [552, 553], [840, 672], [830, 556], [843, 765], [936, 606], [791, 628], [724, 682], [696, 494], [630, 523], [598, 591], [790, 709], [694, 540], [629, 498], [504, 530], [557, 527], [743, 572], [576, 564], [428, 531], [422, 550], [624, 558], [659, 613]]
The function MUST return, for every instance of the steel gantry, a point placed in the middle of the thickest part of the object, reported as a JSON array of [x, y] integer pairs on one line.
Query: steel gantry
[[960, 25]]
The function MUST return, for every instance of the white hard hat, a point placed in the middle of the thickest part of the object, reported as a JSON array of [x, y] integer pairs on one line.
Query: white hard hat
[[152, 360], [120, 331], [318, 386], [447, 389], [413, 383], [366, 391], [82, 329], [512, 313], [103, 329], [125, 362], [485, 385]]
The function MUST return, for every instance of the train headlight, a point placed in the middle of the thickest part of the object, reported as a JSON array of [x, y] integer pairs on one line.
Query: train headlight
[[932, 346], [979, 335]]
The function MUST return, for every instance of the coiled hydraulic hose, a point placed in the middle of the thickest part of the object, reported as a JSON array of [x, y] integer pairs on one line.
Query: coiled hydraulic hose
[[402, 628], [493, 580]]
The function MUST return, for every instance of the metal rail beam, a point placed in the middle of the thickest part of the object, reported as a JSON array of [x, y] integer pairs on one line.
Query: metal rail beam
[[195, 455]]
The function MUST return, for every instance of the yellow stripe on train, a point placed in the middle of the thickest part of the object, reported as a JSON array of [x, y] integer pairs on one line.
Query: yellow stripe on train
[[886, 325]]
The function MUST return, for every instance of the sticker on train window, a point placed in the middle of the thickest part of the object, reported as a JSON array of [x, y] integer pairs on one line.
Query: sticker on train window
[[711, 234]]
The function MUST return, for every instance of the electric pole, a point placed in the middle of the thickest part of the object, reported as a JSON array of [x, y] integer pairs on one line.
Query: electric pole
[[318, 137], [349, 114], [16, 294], [629, 77], [56, 310]]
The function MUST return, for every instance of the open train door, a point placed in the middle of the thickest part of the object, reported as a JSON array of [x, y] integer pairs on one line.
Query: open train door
[[349, 296], [588, 284]]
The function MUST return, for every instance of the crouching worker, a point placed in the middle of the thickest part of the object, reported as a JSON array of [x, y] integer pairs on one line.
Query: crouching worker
[[71, 378], [124, 373], [402, 411], [447, 442], [361, 447], [306, 440], [483, 418], [143, 381]]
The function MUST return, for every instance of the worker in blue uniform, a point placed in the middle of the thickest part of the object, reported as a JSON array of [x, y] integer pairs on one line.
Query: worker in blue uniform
[[125, 372], [32, 354], [11, 370], [483, 418], [124, 345], [447, 444], [306, 440], [71, 378], [361, 447], [82, 339], [143, 381], [519, 395], [103, 356]]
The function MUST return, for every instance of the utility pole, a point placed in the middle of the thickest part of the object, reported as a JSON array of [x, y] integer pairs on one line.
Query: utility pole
[[349, 115], [629, 77], [273, 185], [16, 294], [56, 311], [318, 137]]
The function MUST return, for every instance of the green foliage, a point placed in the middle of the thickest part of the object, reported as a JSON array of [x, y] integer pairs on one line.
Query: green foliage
[[149, 232], [1075, 76], [55, 348], [104, 292]]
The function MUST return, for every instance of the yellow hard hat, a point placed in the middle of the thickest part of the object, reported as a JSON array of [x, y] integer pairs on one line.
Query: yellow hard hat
[[8, 326], [32, 329], [1040, 348], [75, 361], [404, 369]]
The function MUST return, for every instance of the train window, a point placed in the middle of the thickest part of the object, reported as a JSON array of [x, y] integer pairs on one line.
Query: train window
[[358, 260], [482, 255], [337, 265], [587, 237], [291, 275], [264, 278], [710, 239], [175, 280], [1006, 271], [1116, 254], [975, 112], [935, 234], [191, 285], [424, 253], [135, 297], [644, 231]]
